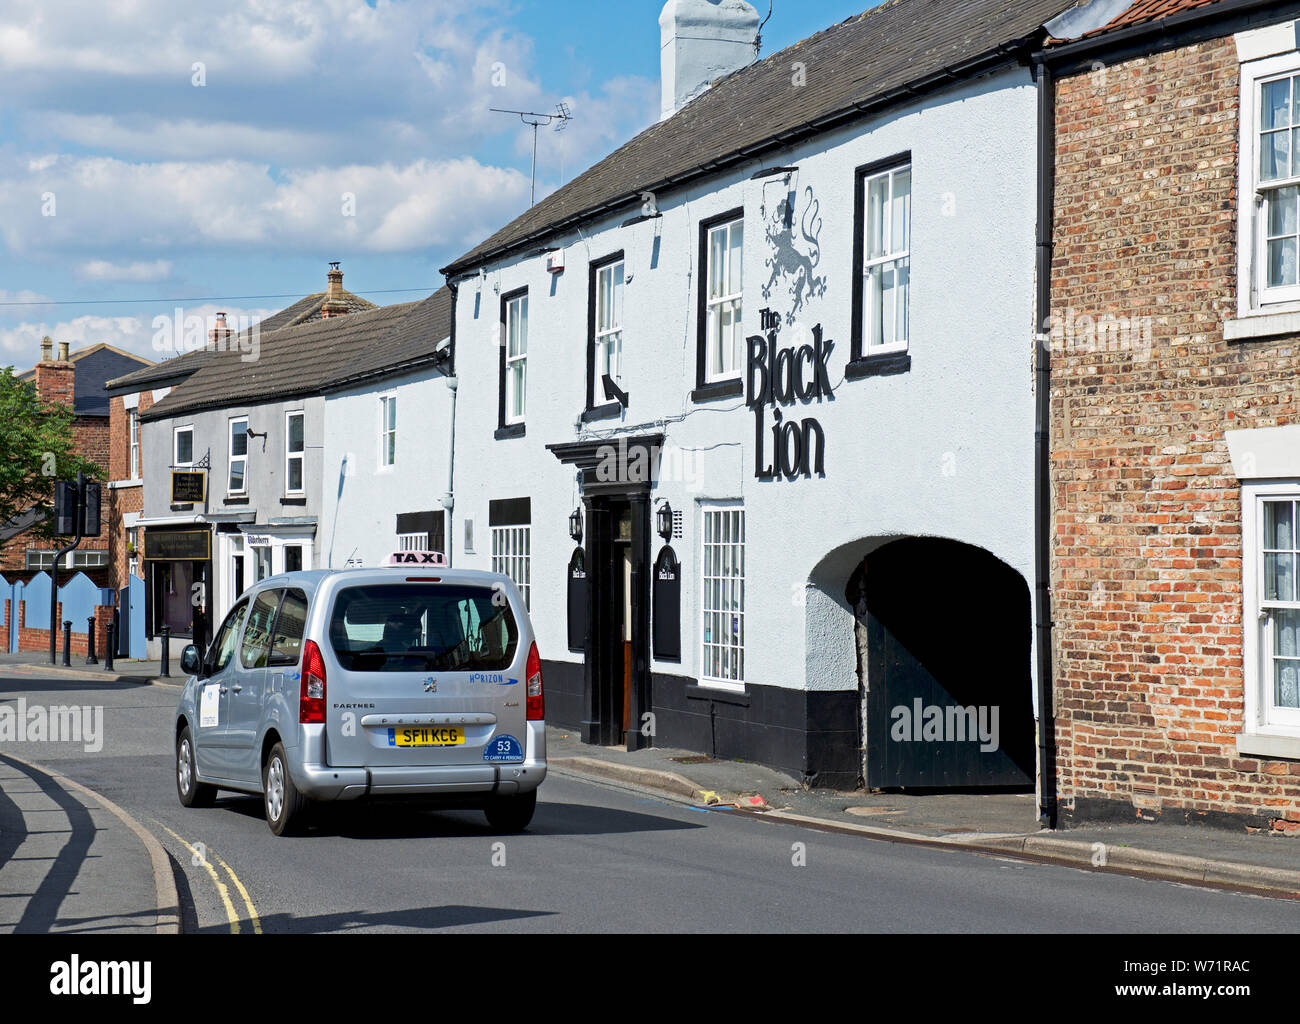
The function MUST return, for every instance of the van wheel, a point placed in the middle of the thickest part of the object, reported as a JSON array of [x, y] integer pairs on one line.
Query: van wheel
[[511, 813], [192, 792], [285, 806]]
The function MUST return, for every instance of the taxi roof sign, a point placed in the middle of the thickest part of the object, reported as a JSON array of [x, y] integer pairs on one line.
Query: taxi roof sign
[[406, 559]]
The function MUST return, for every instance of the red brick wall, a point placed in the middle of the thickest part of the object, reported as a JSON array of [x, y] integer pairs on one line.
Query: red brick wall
[[125, 499], [91, 440], [37, 636], [1147, 553]]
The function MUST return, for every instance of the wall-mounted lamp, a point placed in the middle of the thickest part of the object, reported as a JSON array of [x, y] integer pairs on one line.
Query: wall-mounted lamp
[[253, 433], [664, 521], [575, 525]]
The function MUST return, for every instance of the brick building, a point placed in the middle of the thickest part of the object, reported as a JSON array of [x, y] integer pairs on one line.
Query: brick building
[[1175, 436], [75, 379]]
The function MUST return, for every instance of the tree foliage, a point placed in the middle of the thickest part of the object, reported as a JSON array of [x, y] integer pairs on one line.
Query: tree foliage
[[36, 449]]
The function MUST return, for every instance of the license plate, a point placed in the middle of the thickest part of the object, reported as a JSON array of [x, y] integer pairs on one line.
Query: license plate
[[430, 736]]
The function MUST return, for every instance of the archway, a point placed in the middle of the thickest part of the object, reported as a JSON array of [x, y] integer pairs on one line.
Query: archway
[[944, 634]]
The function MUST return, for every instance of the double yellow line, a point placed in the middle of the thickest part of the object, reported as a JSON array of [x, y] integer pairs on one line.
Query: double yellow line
[[222, 889]]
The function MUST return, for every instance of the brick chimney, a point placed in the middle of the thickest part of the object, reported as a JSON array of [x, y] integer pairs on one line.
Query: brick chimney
[[700, 42], [220, 334], [334, 304], [55, 380]]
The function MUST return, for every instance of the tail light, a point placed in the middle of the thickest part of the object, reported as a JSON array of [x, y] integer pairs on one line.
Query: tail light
[[536, 702], [311, 703]]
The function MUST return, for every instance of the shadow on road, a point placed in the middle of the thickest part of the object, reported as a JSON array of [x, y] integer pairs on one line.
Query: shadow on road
[[422, 918], [42, 910], [19, 685], [414, 821]]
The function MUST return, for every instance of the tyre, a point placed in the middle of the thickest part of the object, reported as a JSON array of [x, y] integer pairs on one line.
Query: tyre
[[192, 792], [286, 808], [511, 813]]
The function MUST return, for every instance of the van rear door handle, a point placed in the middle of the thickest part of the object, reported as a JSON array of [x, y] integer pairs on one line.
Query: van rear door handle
[[224, 690], [239, 689]]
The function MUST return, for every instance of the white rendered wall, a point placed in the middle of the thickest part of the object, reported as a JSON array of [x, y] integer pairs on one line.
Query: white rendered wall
[[945, 450]]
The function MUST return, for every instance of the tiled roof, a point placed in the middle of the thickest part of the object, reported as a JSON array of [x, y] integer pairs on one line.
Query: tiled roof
[[887, 55], [313, 356], [169, 371], [1151, 10]]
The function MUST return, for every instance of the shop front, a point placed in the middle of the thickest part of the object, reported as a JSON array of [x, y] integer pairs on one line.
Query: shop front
[[178, 578]]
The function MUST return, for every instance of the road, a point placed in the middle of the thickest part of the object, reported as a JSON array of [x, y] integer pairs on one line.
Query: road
[[595, 859]]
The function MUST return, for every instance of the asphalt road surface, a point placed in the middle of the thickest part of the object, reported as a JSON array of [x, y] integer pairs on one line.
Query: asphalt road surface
[[595, 859]]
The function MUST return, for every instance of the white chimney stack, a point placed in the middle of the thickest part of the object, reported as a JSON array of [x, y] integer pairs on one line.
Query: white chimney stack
[[702, 40]]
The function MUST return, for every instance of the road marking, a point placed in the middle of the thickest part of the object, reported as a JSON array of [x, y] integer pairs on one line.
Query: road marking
[[216, 880], [248, 902]]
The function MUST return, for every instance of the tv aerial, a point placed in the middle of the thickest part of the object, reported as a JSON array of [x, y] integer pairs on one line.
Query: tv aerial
[[561, 118]]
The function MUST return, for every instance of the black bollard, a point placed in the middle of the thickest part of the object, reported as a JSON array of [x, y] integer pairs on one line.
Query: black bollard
[[108, 650], [165, 670], [67, 642], [90, 642]]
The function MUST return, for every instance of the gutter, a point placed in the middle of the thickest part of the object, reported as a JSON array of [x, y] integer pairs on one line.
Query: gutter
[[1006, 54]]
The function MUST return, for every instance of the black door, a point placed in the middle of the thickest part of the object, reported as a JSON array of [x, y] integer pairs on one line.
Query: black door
[[948, 687]]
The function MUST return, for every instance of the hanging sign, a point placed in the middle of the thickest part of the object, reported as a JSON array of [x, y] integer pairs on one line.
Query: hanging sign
[[780, 377]]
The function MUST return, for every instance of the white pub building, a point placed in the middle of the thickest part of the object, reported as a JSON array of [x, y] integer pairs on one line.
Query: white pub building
[[747, 409]]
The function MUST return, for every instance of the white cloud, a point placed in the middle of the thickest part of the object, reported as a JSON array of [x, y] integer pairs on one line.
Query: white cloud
[[107, 204], [21, 345], [103, 270]]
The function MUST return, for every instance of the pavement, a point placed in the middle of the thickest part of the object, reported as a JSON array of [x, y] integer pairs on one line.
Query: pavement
[[125, 670], [72, 860]]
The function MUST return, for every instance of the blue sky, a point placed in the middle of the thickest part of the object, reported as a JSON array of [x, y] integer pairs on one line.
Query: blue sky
[[227, 150]]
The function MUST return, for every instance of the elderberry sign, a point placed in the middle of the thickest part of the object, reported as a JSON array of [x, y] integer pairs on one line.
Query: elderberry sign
[[778, 377]]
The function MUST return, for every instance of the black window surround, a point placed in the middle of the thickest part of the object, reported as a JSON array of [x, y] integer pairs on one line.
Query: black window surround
[[606, 410], [704, 389], [886, 364], [504, 431]]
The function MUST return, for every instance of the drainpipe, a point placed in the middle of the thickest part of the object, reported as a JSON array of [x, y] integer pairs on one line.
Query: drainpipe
[[453, 385], [1047, 809]]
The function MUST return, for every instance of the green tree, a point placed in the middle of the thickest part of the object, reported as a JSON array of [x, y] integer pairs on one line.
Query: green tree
[[36, 449]]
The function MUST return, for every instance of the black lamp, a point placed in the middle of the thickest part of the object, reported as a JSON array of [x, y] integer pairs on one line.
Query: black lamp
[[664, 521], [575, 525]]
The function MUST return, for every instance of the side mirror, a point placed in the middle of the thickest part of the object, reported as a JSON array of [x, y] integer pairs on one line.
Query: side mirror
[[190, 664]]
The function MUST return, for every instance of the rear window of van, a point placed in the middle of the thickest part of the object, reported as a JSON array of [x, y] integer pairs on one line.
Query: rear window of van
[[422, 627]]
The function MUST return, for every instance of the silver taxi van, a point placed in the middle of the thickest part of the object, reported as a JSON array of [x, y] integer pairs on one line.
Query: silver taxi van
[[411, 680]]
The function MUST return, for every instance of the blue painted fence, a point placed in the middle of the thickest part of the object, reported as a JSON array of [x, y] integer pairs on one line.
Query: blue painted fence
[[79, 597]]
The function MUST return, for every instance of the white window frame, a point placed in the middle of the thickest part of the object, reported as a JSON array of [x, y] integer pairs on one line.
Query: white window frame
[[300, 456], [176, 439], [734, 300], [412, 541], [387, 458], [520, 359], [893, 256], [232, 458], [1261, 716], [734, 679], [133, 444], [1253, 295], [512, 553], [609, 338]]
